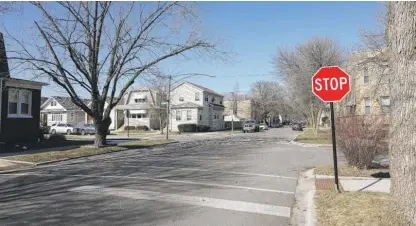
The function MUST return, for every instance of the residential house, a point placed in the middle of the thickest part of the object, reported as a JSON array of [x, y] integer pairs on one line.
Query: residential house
[[62, 109], [192, 103], [142, 107], [241, 106], [19, 104], [369, 93]]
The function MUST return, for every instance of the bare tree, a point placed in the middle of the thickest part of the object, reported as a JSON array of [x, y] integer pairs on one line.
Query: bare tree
[[297, 67], [101, 48], [268, 98], [401, 30], [235, 98]]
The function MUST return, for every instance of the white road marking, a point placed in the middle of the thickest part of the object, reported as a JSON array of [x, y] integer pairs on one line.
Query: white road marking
[[156, 179], [216, 171], [250, 207]]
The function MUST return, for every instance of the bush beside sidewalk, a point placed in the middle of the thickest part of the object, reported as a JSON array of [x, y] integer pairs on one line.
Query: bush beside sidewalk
[[19, 161]]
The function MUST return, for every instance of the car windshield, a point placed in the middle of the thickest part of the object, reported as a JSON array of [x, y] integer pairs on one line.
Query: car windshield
[[69, 125]]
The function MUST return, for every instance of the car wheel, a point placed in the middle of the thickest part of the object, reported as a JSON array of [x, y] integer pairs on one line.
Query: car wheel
[[68, 132], [83, 132], [53, 131]]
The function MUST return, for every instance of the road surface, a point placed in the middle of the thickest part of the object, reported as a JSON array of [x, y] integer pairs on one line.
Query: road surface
[[220, 179]]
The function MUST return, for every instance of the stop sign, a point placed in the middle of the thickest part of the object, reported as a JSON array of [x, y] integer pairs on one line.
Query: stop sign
[[330, 84]]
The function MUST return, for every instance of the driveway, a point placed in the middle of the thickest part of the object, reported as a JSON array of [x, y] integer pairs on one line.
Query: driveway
[[220, 179]]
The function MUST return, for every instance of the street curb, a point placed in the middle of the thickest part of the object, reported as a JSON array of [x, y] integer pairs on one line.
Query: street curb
[[303, 210], [309, 145], [34, 165], [318, 176]]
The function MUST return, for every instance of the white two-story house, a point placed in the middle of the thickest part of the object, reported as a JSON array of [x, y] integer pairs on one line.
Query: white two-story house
[[194, 104], [142, 107]]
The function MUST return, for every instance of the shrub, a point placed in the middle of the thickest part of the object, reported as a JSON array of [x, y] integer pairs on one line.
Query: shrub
[[143, 128], [57, 137], [187, 128], [361, 138], [129, 127], [45, 129], [203, 128]]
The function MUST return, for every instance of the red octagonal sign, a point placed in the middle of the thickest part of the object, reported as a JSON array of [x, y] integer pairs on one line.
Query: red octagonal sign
[[330, 84]]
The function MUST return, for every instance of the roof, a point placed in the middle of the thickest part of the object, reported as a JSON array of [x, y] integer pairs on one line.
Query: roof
[[43, 100], [187, 105], [67, 103], [200, 87], [217, 105]]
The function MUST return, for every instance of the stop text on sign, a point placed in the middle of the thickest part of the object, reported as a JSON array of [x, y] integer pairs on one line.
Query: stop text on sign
[[330, 83]]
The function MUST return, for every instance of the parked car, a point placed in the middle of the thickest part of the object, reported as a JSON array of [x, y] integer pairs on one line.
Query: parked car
[[251, 126], [63, 128], [277, 125], [263, 126], [86, 129], [297, 127]]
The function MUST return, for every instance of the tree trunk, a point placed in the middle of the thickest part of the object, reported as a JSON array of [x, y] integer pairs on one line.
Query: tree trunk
[[101, 131], [160, 124], [401, 31], [317, 121]]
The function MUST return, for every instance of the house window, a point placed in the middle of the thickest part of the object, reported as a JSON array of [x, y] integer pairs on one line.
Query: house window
[[53, 103], [178, 115], [188, 115], [56, 117], [220, 101], [367, 105], [140, 100], [200, 117], [197, 96], [72, 116], [366, 77], [206, 98], [213, 99], [385, 104], [19, 103], [181, 99]]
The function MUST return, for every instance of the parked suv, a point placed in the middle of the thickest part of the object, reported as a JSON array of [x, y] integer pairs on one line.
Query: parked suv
[[251, 126], [63, 128]]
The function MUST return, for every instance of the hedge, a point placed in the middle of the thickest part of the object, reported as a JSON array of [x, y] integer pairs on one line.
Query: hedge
[[191, 127], [143, 128]]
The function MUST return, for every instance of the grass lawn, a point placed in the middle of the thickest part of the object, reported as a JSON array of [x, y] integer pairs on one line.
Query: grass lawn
[[45, 144], [349, 171], [86, 151], [308, 137], [355, 209]]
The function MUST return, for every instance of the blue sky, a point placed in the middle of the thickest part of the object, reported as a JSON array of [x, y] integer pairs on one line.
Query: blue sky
[[255, 30]]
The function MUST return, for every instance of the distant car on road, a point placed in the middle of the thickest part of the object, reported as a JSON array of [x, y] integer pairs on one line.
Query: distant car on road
[[263, 126], [297, 127], [63, 128], [86, 129], [251, 126]]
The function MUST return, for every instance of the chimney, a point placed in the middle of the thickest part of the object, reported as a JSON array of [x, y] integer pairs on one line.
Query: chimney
[[4, 66]]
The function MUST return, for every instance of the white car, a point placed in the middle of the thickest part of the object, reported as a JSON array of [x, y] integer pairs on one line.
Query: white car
[[263, 126], [63, 128]]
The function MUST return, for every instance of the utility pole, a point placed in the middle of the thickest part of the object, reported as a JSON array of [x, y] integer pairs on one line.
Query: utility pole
[[167, 109]]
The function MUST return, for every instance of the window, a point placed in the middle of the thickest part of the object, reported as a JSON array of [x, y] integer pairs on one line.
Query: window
[[197, 96], [220, 101], [385, 104], [20, 103], [56, 117], [188, 115], [223, 117], [178, 115], [200, 117], [140, 100], [366, 77], [61, 125], [53, 103], [181, 98], [213, 99], [367, 105], [72, 116], [206, 98]]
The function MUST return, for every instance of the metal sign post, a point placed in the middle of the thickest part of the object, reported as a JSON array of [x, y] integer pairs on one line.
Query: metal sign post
[[334, 147]]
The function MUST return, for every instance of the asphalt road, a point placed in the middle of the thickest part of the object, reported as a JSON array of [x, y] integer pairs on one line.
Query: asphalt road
[[240, 179]]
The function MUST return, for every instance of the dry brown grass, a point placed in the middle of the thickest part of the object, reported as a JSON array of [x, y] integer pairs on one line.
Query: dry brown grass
[[348, 171], [308, 137], [356, 209]]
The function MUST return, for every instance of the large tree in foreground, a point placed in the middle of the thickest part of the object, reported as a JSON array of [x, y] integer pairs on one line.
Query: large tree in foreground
[[401, 30], [296, 68], [101, 48]]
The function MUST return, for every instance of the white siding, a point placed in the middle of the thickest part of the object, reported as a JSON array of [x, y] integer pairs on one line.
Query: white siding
[[50, 121], [184, 119], [136, 93], [55, 108], [188, 93]]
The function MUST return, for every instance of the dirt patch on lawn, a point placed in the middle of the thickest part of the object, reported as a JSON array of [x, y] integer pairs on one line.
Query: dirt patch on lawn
[[350, 171]]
